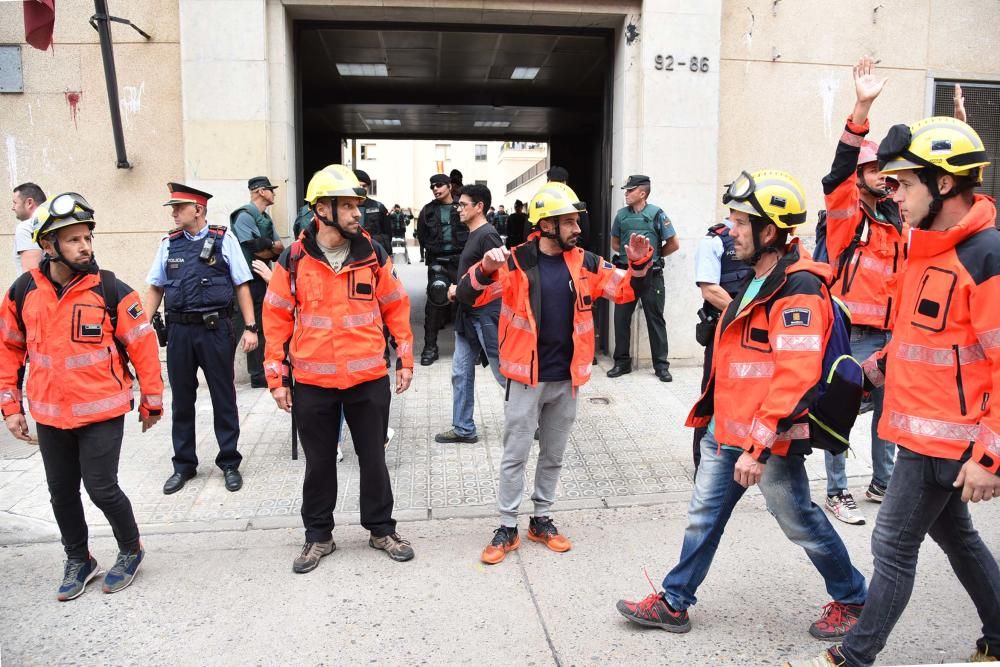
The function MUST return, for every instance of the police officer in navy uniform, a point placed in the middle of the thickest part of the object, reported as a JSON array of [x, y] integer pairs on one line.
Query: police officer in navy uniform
[[719, 275], [374, 215], [640, 217], [194, 272]]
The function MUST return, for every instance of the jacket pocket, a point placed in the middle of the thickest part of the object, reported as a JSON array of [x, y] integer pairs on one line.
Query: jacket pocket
[[958, 381]]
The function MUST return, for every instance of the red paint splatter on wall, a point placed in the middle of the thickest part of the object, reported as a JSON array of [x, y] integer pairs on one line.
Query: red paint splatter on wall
[[73, 100]]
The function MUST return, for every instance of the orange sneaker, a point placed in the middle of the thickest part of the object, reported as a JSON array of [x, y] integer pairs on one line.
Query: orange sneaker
[[542, 530], [504, 539]]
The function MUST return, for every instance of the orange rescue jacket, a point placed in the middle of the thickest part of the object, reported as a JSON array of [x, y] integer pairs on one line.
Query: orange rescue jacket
[[865, 269], [517, 283], [940, 367], [332, 322], [77, 373], [767, 359]]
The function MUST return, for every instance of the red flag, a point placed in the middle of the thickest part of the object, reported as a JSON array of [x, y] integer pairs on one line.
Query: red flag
[[39, 21]]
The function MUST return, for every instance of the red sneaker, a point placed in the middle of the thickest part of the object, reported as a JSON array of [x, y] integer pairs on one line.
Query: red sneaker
[[836, 620]]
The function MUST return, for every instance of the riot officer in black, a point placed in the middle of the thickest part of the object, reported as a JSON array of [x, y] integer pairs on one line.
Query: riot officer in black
[[374, 216], [720, 276], [442, 236], [195, 271]]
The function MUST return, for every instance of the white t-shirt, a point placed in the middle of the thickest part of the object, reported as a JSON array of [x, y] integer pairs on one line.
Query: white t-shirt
[[708, 258], [22, 241]]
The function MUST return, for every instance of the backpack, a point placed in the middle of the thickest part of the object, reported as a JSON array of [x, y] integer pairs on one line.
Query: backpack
[[836, 398], [820, 253], [109, 293]]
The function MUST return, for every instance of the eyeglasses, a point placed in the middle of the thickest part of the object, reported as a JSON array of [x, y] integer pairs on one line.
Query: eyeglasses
[[71, 205], [462, 204]]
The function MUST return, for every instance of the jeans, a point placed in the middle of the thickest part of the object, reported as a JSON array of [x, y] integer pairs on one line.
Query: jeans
[[865, 341], [922, 501], [463, 371], [785, 486], [89, 453]]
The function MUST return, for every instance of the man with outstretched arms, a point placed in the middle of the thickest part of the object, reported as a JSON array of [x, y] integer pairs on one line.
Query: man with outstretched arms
[[548, 287]]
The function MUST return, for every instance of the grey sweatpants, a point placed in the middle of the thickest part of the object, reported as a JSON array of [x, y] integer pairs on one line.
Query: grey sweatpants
[[551, 408]]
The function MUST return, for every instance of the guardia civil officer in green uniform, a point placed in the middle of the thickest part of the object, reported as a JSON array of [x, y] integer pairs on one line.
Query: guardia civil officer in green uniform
[[640, 217], [258, 239], [374, 216]]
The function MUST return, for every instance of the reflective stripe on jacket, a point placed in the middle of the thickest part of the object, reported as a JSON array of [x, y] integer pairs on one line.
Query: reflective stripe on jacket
[[517, 283], [77, 374], [869, 275], [944, 357], [333, 322], [768, 356]]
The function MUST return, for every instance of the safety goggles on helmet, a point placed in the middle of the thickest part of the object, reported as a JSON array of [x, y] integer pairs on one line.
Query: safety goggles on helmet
[[742, 190], [61, 211], [71, 205], [781, 193]]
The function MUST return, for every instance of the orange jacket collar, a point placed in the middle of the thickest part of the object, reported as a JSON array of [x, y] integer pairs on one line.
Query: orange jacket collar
[[928, 243]]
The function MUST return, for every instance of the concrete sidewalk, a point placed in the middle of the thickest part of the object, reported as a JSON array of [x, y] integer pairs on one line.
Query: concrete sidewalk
[[217, 586]]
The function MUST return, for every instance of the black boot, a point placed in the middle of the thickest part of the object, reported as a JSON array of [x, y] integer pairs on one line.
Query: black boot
[[620, 369], [429, 355]]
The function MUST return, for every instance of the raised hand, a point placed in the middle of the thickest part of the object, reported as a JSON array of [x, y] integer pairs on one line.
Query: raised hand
[[637, 248], [867, 85], [960, 104]]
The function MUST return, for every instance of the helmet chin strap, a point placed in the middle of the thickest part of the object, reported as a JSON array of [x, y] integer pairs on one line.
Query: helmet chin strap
[[878, 194], [334, 223], [75, 267], [930, 180], [759, 251], [557, 237]]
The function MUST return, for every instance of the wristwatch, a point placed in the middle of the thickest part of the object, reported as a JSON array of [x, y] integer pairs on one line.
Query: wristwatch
[[252, 328]]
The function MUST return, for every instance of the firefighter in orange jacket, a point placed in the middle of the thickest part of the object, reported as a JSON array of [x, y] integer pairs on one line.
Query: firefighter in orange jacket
[[939, 372], [548, 286], [769, 348], [328, 298], [866, 238], [59, 316]]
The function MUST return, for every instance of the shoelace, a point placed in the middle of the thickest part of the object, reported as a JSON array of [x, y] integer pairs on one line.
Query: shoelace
[[646, 604], [308, 547], [73, 568], [501, 536], [848, 501], [121, 562], [544, 526], [833, 614], [394, 537]]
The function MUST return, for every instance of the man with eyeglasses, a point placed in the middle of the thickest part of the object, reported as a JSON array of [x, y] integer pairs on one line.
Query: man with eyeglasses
[[769, 348], [259, 240], [475, 327], [443, 237], [195, 271], [80, 327]]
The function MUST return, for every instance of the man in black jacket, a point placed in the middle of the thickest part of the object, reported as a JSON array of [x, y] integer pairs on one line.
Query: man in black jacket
[[442, 236], [374, 216]]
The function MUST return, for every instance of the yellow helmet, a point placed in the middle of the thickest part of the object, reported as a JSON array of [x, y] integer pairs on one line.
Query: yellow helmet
[[63, 210], [552, 200], [939, 141], [334, 180], [771, 194]]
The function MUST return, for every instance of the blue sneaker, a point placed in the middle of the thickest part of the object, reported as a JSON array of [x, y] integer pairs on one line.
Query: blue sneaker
[[123, 573], [76, 575]]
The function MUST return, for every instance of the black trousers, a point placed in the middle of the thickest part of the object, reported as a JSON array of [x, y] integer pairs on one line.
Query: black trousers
[[699, 432], [435, 317], [190, 347], [255, 358], [317, 414], [653, 300], [89, 454]]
